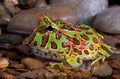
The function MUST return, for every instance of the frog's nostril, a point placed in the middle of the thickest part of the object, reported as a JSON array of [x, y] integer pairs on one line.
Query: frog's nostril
[[50, 28]]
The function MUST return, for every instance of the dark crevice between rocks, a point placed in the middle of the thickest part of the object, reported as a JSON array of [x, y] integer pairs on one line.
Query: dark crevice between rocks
[[114, 2]]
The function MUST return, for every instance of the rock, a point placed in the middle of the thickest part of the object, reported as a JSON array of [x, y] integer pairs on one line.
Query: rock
[[108, 21], [13, 39], [34, 74], [111, 40], [40, 3], [3, 63], [1, 54], [86, 9], [102, 70], [117, 36], [27, 20], [4, 75], [115, 76], [9, 54], [114, 63], [17, 66], [12, 71], [32, 63], [93, 78], [6, 16]]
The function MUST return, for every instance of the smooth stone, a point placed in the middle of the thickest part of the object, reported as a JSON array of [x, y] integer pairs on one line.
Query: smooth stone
[[86, 9], [102, 70], [6, 16], [4, 75], [25, 21], [32, 63], [3, 62], [114, 63], [12, 39], [108, 21]]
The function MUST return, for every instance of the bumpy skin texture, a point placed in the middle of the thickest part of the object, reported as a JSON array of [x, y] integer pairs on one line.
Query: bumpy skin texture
[[71, 45]]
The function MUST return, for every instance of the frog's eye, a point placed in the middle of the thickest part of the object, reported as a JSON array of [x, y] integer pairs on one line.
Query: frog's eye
[[50, 28]]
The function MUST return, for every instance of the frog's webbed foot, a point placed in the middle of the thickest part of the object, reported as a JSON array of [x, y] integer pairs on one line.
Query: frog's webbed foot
[[98, 59], [56, 65], [74, 62]]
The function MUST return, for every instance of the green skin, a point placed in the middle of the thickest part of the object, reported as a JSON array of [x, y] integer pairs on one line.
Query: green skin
[[85, 35]]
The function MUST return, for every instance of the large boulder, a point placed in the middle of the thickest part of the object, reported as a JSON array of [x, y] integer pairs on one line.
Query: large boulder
[[108, 21], [86, 9], [27, 20]]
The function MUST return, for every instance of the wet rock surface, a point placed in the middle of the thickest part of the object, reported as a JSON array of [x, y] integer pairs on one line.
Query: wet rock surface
[[71, 11], [102, 70], [108, 21], [85, 9]]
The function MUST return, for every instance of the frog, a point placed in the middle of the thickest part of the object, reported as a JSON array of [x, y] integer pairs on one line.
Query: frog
[[67, 45]]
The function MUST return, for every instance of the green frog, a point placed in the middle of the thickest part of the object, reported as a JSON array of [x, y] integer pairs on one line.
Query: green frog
[[70, 46]]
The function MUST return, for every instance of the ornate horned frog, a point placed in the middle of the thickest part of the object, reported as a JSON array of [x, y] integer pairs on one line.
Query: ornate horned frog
[[71, 45]]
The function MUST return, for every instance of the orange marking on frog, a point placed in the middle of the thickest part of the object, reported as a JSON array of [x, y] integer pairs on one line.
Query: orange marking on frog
[[63, 31], [75, 31]]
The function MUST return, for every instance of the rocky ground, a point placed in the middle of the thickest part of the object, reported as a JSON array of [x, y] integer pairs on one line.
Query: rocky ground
[[16, 62]]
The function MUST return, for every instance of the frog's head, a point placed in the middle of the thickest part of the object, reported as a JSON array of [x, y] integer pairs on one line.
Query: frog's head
[[46, 22]]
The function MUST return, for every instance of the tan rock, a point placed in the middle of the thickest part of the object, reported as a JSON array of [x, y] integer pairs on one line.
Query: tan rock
[[4, 75], [3, 62], [32, 63], [102, 70]]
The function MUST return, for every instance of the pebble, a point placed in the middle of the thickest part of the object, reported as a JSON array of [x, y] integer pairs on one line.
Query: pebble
[[13, 39], [34, 74], [5, 17], [102, 70], [3, 62], [114, 63], [32, 63], [10, 54], [108, 21], [115, 76], [4, 75]]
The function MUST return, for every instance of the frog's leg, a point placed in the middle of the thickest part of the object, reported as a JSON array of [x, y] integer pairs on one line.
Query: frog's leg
[[96, 60], [74, 62], [57, 65], [104, 51]]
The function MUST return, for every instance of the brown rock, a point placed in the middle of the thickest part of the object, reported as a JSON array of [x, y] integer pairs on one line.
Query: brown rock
[[114, 63], [10, 54], [1, 54], [17, 66], [117, 36], [77, 75], [3, 63], [102, 70], [5, 17], [12, 71], [32, 63], [34, 74], [111, 40], [5, 75], [115, 76]]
